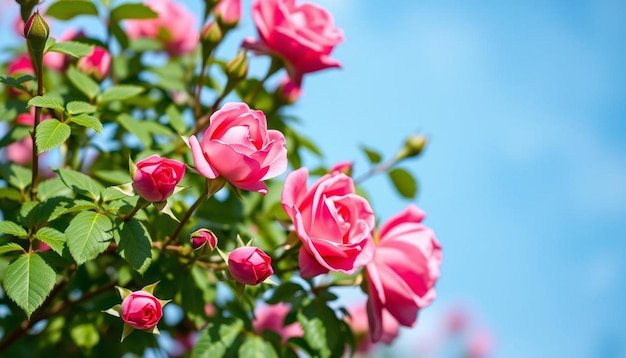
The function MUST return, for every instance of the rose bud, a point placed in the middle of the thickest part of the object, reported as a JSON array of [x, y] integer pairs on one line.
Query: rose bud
[[36, 28], [288, 91], [96, 64], [203, 239], [156, 178], [413, 146], [141, 310], [237, 68], [250, 265], [228, 12]]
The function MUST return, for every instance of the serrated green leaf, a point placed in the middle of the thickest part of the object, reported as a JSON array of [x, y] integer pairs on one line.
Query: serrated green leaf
[[256, 347], [17, 176], [218, 338], [314, 334], [373, 156], [11, 228], [81, 183], [72, 48], [135, 244], [52, 188], [404, 182], [88, 235], [46, 102], [84, 83], [78, 107], [132, 11], [88, 121], [10, 247], [68, 9], [28, 281], [54, 238], [119, 92], [50, 134], [10, 194]]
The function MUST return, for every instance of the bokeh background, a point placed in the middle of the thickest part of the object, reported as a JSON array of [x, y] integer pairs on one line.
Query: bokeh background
[[524, 177]]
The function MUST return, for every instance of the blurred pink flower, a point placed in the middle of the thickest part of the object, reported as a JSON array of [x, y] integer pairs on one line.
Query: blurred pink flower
[[228, 12], [359, 324], [96, 64], [175, 27], [272, 317]]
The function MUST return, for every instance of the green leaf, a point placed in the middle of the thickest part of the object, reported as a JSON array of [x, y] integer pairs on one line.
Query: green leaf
[[17, 82], [68, 9], [81, 183], [10, 194], [88, 235], [78, 107], [256, 347], [28, 281], [119, 92], [15, 133], [17, 176], [72, 48], [11, 228], [46, 102], [84, 83], [85, 335], [51, 134], [135, 244], [134, 127], [53, 187], [218, 338], [373, 156], [10, 247], [285, 292], [132, 11], [175, 119], [314, 333], [54, 238], [404, 182], [88, 121]]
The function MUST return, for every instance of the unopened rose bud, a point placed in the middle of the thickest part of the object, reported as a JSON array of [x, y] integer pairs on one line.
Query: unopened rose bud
[[155, 178], [210, 37], [227, 13], [237, 68], [250, 265], [141, 310], [413, 146], [288, 91], [203, 240], [36, 28]]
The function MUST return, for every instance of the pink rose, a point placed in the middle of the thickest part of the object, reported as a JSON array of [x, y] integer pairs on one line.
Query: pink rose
[[141, 310], [334, 224], [175, 27], [96, 64], [228, 12], [250, 265], [360, 328], [272, 318], [402, 275], [303, 36], [20, 66], [20, 152], [203, 238], [156, 178], [238, 147], [342, 167]]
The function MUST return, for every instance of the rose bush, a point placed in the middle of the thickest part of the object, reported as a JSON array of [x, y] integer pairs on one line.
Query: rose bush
[[238, 147], [333, 223]]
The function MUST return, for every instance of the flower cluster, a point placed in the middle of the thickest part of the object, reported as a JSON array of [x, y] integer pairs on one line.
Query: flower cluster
[[106, 134]]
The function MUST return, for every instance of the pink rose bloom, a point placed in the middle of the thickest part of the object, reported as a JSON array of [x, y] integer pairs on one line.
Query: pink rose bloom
[[360, 328], [156, 178], [480, 344], [303, 36], [238, 147], [272, 318], [19, 67], [288, 91], [342, 167], [402, 275], [333, 223], [96, 64], [141, 310], [250, 265], [175, 27], [20, 152], [228, 12]]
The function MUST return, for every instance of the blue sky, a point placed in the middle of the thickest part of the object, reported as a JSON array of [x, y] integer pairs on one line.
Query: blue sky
[[524, 180]]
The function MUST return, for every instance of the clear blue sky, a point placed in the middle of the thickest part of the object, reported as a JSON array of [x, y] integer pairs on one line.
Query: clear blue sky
[[524, 180]]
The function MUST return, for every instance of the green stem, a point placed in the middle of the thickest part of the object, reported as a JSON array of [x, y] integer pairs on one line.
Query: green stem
[[206, 194], [39, 72], [380, 168]]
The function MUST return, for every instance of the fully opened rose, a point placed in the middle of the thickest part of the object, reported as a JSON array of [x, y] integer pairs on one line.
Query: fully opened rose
[[302, 35], [402, 275], [238, 147], [333, 223], [156, 178]]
